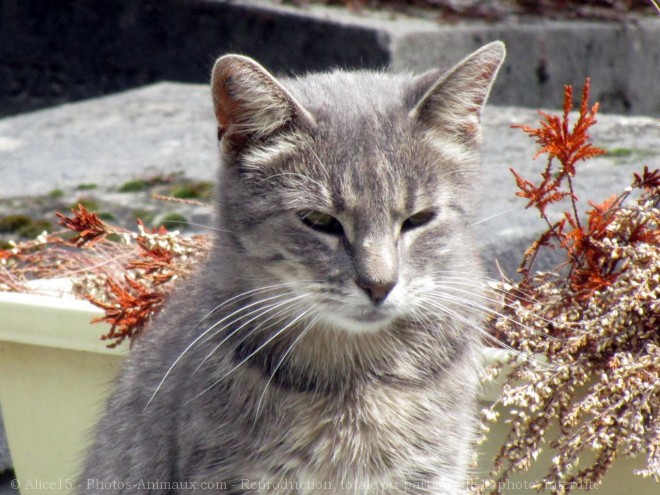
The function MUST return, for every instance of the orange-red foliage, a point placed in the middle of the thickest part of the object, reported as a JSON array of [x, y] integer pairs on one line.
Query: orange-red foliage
[[590, 266], [129, 308], [126, 274], [90, 228]]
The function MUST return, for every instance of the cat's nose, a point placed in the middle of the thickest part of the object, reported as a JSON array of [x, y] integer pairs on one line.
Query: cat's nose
[[377, 291]]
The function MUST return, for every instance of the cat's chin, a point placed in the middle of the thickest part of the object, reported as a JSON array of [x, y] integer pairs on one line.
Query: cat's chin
[[360, 323]]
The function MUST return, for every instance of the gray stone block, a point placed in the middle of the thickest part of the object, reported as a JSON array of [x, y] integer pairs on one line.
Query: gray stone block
[[144, 132], [54, 52], [622, 60], [68, 51]]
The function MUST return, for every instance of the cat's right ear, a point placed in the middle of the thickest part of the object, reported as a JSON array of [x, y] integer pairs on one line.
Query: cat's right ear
[[250, 104]]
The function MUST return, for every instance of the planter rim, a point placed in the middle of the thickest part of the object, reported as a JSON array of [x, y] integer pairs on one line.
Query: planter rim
[[68, 323]]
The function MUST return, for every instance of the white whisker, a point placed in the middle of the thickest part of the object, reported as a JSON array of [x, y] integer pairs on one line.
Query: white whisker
[[264, 344], [260, 312], [305, 140], [277, 366], [202, 225], [485, 284], [489, 309], [296, 174], [463, 319], [237, 297], [238, 315], [494, 215]]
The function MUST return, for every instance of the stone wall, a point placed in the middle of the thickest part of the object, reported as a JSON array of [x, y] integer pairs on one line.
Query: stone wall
[[58, 51]]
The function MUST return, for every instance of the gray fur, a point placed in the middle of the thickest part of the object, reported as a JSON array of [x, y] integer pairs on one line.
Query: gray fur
[[275, 369]]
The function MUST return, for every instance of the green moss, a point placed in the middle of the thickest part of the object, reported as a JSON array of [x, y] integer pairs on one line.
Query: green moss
[[106, 216], [138, 185], [173, 221], [620, 152], [55, 194], [23, 225], [114, 238], [193, 190], [145, 215], [90, 203], [86, 187], [34, 228], [13, 223]]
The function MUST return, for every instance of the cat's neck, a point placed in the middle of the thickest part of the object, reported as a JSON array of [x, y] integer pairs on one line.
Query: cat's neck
[[334, 361]]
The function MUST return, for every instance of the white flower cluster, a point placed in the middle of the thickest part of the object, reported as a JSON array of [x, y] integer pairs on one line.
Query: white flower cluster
[[601, 383]]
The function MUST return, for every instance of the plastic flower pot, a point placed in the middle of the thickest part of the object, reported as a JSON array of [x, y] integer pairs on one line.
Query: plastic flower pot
[[55, 375]]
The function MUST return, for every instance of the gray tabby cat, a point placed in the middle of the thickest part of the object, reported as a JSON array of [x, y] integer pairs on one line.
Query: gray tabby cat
[[331, 341]]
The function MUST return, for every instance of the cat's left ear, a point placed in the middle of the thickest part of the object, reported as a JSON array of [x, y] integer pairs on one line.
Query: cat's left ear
[[454, 103], [250, 103]]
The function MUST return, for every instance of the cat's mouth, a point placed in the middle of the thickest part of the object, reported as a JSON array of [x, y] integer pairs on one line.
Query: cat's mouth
[[362, 319]]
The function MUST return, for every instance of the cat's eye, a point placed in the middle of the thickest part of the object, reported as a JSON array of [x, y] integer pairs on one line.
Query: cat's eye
[[417, 220], [321, 222]]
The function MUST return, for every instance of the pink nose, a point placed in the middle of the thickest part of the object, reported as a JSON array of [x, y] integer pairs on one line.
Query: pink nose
[[377, 291]]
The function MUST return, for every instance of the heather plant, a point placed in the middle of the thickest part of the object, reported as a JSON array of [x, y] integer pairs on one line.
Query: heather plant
[[591, 326]]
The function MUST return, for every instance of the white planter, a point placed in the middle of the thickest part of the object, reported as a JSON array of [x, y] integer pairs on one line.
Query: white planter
[[55, 374]]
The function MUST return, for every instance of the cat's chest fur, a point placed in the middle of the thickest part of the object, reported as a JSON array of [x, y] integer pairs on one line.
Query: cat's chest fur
[[384, 435], [370, 442], [375, 440]]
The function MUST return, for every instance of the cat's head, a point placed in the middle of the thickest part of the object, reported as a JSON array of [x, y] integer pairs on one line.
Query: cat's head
[[353, 191]]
